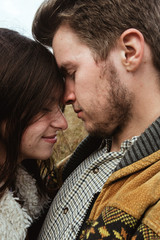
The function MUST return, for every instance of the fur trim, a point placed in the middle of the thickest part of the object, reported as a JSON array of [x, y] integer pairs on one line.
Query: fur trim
[[14, 219], [27, 191]]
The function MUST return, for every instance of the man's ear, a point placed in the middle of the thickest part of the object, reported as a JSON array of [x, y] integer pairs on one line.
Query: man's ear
[[132, 48]]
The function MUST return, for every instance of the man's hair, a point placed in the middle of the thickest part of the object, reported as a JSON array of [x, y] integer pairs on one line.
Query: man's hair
[[99, 23], [29, 79]]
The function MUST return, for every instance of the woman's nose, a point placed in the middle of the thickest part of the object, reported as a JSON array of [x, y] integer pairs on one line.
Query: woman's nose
[[60, 122]]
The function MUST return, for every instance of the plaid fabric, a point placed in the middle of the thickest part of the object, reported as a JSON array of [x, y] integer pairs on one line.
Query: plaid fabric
[[70, 206]]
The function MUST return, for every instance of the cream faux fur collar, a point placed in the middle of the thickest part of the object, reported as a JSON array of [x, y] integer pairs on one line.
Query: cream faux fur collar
[[14, 219]]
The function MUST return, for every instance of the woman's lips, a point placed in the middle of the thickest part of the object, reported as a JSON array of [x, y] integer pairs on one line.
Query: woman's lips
[[50, 139]]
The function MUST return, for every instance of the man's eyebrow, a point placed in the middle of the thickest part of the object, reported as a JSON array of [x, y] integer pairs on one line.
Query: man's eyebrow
[[63, 68], [66, 65]]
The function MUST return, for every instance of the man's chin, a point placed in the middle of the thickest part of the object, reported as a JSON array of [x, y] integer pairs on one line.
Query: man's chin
[[98, 133]]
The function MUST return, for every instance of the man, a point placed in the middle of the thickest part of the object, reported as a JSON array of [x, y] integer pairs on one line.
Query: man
[[108, 52]]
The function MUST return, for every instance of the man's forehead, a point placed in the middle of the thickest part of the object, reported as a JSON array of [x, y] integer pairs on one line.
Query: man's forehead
[[66, 35]]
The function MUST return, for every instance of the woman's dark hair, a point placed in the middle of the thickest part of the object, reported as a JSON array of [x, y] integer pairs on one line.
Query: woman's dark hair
[[29, 80]]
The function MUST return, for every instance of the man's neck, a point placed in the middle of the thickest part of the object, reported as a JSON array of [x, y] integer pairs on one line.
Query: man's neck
[[136, 128]]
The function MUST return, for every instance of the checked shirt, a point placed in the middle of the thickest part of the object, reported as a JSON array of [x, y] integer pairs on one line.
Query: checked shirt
[[69, 207]]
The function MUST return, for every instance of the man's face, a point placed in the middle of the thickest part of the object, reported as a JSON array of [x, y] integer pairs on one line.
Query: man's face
[[93, 88]]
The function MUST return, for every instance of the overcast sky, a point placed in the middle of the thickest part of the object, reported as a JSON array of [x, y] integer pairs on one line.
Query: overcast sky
[[18, 14]]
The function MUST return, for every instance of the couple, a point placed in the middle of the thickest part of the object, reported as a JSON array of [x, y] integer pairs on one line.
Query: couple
[[108, 54]]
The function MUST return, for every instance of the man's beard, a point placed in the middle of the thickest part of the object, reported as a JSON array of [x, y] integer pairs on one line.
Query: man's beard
[[118, 109]]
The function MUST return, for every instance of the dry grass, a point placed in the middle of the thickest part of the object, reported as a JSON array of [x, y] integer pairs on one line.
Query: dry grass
[[70, 138]]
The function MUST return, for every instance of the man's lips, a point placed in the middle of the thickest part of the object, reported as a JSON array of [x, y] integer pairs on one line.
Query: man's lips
[[50, 139], [77, 110], [79, 113]]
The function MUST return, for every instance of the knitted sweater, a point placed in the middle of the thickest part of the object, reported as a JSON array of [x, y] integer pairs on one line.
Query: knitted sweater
[[135, 161], [15, 219], [128, 206]]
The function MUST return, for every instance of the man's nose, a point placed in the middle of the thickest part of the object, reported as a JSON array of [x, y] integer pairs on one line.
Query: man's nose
[[69, 95]]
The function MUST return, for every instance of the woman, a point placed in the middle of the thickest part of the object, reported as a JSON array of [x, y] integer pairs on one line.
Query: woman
[[31, 90]]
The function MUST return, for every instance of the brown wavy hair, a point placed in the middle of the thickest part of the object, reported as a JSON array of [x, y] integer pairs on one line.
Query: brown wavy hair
[[29, 78], [99, 23]]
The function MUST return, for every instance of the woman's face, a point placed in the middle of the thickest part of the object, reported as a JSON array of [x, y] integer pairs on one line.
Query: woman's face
[[40, 136]]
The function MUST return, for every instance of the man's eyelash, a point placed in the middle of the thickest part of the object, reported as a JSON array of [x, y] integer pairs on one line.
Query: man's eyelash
[[72, 75], [68, 73]]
